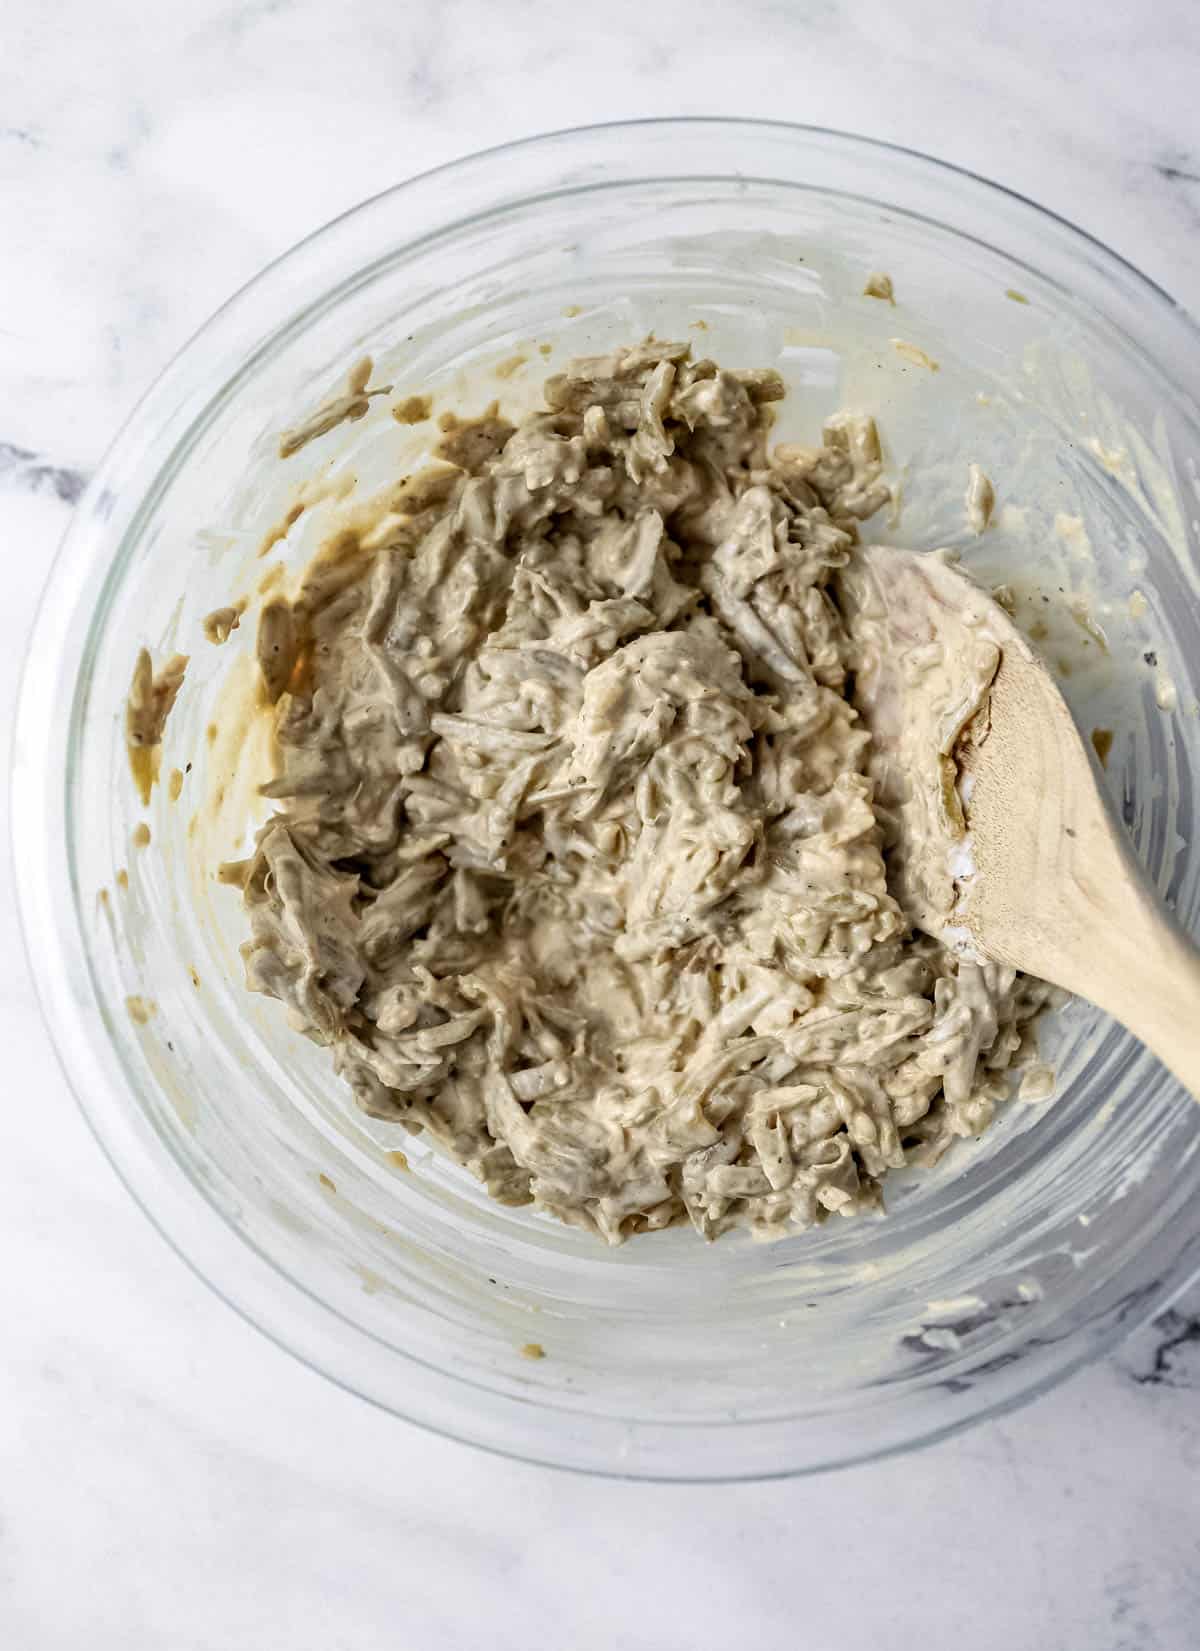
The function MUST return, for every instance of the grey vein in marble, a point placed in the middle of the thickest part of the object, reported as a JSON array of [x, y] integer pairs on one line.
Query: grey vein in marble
[[1175, 1335], [21, 468], [1176, 174]]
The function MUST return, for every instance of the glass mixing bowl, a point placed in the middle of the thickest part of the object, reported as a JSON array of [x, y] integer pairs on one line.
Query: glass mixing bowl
[[1059, 369]]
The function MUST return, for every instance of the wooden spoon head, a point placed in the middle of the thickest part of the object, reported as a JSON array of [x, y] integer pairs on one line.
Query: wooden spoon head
[[1001, 843], [996, 811]]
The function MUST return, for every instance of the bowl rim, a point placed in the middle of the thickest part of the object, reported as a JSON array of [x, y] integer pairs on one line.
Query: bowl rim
[[165, 422]]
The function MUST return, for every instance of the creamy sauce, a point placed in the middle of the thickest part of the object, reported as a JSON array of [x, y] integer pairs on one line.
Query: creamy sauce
[[980, 499], [152, 694], [350, 403]]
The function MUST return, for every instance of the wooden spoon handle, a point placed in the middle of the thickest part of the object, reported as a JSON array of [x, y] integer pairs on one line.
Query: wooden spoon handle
[[1110, 939], [1148, 977]]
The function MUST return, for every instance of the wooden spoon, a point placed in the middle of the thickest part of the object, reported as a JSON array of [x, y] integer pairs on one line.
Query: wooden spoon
[[1004, 846]]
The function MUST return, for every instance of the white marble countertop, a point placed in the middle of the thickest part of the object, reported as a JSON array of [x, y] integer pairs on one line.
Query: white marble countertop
[[168, 1478]]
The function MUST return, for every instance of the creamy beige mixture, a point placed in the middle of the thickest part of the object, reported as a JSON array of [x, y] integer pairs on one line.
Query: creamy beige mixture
[[151, 698], [578, 864]]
